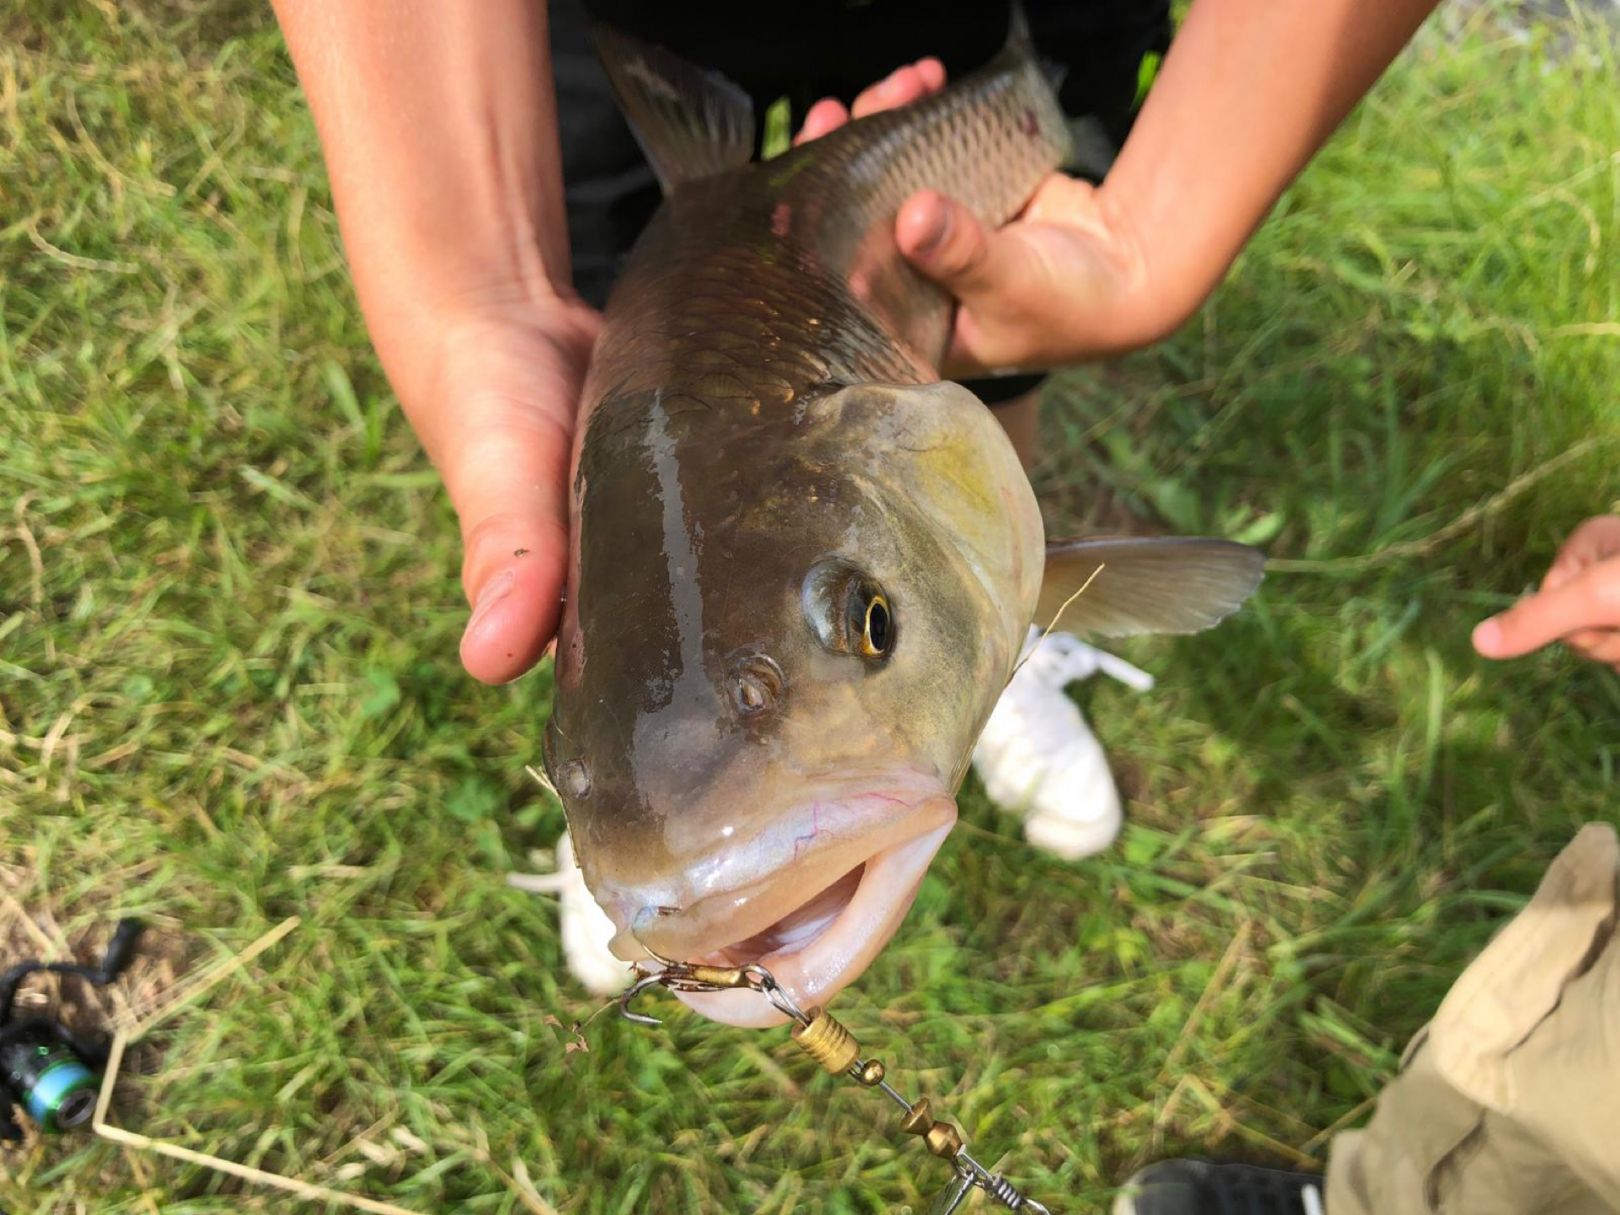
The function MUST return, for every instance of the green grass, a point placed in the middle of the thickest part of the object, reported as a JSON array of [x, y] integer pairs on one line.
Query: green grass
[[229, 690]]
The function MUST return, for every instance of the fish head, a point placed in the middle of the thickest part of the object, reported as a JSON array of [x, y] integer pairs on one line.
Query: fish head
[[774, 664]]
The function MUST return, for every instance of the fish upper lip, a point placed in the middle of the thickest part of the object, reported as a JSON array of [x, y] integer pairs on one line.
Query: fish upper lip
[[781, 868]]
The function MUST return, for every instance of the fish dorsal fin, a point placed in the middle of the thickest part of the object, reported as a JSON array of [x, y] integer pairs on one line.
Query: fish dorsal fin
[[1165, 584], [690, 123]]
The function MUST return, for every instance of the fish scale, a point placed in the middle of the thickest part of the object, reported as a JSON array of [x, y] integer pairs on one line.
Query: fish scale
[[783, 277]]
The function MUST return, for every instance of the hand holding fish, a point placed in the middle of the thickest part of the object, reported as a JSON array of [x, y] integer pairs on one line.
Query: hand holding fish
[[1066, 259], [498, 424], [1578, 603], [440, 133], [1088, 271], [992, 272]]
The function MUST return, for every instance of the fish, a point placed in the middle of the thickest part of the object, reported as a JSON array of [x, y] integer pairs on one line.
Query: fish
[[802, 566]]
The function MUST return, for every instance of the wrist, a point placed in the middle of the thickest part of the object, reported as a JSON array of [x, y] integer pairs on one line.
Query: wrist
[[439, 327], [438, 125], [1158, 286], [471, 253]]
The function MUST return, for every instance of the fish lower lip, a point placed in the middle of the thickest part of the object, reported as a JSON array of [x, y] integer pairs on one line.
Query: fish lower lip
[[783, 868], [815, 969]]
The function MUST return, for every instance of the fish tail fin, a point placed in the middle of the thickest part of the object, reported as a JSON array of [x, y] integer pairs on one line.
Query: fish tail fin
[[690, 122], [1020, 47], [1018, 36], [1043, 78]]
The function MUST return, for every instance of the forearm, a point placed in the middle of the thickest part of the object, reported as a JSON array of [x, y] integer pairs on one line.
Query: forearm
[[1250, 90], [438, 123]]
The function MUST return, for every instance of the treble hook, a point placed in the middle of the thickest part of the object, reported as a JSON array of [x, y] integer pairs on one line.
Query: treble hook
[[634, 990]]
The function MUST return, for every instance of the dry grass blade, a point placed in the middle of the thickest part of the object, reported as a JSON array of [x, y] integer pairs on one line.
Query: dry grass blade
[[1056, 616], [190, 993], [1460, 526]]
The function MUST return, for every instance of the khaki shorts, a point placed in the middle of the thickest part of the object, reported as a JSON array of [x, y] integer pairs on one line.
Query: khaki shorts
[[1508, 1102]]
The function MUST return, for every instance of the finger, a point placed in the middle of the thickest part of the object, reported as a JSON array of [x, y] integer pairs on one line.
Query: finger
[[499, 432], [826, 115], [901, 87], [507, 479], [945, 241], [1594, 540], [904, 85], [1591, 599], [1598, 645]]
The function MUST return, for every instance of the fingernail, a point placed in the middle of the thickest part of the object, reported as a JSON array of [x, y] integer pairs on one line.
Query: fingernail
[[494, 591], [1488, 637]]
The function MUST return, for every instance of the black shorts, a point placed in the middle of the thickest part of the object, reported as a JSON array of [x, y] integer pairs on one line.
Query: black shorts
[[805, 51]]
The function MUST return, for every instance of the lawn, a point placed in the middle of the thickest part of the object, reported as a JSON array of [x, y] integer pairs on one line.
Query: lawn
[[229, 690]]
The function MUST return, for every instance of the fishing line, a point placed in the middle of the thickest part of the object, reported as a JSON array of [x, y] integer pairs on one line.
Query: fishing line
[[1056, 616]]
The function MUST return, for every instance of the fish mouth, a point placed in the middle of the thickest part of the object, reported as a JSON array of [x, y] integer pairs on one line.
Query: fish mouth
[[820, 915]]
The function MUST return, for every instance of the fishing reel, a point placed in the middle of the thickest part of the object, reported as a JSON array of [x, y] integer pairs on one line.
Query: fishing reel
[[46, 1070]]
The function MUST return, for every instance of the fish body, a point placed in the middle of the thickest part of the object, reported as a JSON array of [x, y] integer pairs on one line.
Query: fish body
[[802, 568], [782, 277]]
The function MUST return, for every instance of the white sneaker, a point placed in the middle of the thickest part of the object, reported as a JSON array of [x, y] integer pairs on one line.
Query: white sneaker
[[1037, 757], [585, 927]]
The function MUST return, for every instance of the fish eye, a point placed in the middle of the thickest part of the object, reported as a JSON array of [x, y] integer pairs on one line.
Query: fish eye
[[849, 612], [876, 627]]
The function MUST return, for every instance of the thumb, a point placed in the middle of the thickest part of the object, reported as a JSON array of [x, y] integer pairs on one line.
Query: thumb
[[500, 433], [507, 480], [1591, 599], [946, 242], [490, 381], [996, 277]]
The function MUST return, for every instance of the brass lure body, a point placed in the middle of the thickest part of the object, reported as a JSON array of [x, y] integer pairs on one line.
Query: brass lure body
[[827, 1041]]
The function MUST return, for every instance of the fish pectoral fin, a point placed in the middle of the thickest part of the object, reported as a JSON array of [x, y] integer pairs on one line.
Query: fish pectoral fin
[[1165, 584], [690, 122]]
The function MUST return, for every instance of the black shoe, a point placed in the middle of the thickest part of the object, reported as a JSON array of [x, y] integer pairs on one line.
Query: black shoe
[[1197, 1187]]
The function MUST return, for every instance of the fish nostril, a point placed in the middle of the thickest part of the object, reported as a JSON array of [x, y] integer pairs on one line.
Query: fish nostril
[[756, 685], [576, 779]]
